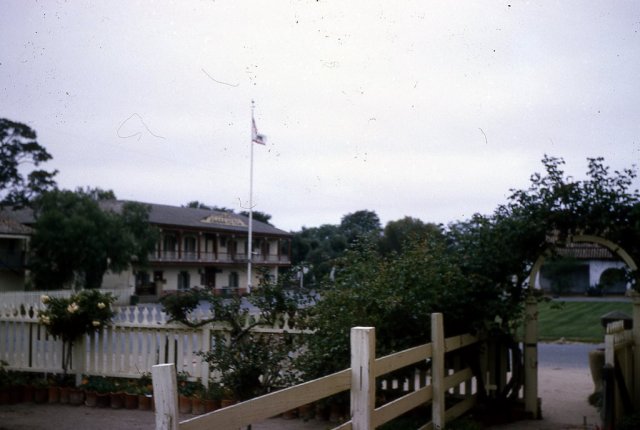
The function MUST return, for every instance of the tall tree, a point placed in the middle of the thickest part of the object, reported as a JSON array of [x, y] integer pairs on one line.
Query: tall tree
[[259, 216], [75, 240], [361, 224], [20, 156], [397, 233]]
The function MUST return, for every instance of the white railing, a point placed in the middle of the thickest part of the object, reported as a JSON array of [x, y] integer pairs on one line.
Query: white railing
[[29, 299], [359, 379]]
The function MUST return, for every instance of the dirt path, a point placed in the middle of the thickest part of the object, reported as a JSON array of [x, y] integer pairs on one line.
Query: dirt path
[[29, 416], [564, 393]]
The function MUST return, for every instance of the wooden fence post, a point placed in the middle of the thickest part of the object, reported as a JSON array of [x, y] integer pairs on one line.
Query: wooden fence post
[[531, 358], [165, 394], [437, 371], [636, 355], [363, 383]]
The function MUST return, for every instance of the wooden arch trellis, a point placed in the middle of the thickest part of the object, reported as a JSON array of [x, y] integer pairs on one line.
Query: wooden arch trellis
[[531, 319], [616, 249]]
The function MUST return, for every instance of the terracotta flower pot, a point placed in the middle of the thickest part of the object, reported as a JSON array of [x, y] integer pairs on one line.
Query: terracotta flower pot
[[91, 399], [54, 395], [184, 404], [130, 401], [64, 395], [227, 402], [23, 393], [197, 406], [76, 396], [41, 395], [4, 396], [116, 400], [211, 405], [103, 400], [144, 402]]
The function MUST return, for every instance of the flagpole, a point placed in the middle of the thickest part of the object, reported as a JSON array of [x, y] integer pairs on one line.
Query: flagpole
[[250, 239]]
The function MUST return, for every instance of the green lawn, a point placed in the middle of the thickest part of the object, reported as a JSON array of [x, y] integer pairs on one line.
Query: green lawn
[[576, 321]]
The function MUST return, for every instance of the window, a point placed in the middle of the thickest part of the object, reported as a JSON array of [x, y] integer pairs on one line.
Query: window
[[169, 245], [190, 244], [183, 280], [142, 278], [233, 279]]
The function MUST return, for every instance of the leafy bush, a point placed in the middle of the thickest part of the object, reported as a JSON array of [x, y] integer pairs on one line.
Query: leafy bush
[[69, 318]]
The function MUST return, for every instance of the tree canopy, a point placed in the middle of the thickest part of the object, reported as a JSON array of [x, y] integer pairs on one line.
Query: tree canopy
[[20, 156], [77, 240], [474, 271]]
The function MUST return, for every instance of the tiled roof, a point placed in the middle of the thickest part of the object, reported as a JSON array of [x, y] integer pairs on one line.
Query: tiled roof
[[586, 251], [202, 219], [13, 227], [176, 217]]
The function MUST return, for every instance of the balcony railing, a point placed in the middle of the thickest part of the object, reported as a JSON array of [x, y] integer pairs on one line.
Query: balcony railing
[[220, 257], [12, 261]]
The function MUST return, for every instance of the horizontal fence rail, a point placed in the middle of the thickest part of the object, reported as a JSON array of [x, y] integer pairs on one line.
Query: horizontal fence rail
[[360, 379]]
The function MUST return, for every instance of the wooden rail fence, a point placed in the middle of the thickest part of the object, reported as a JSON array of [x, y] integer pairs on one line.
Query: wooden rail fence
[[359, 379]]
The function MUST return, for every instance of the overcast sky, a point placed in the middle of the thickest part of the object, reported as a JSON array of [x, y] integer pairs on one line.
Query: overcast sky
[[433, 109]]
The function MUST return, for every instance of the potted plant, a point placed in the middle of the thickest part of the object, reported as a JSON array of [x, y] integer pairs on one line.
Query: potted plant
[[212, 397], [4, 383], [145, 392], [54, 390], [58, 388], [116, 395], [228, 396], [41, 393], [131, 392], [70, 318], [197, 399], [185, 391], [97, 391]]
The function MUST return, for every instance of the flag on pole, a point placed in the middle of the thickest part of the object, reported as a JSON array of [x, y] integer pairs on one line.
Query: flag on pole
[[260, 139]]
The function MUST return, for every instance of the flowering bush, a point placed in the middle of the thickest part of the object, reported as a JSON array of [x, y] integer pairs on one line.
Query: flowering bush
[[69, 318]]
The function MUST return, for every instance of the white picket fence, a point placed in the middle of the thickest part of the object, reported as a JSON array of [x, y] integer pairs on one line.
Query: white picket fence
[[139, 338], [359, 379]]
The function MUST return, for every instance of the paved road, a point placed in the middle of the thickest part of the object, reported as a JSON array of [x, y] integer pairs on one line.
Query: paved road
[[565, 355]]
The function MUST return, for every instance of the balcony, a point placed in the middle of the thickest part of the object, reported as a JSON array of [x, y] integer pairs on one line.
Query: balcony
[[12, 261], [220, 257]]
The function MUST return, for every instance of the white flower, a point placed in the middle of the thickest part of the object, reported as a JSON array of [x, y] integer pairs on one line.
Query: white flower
[[95, 323], [44, 299], [45, 320], [101, 305], [72, 308]]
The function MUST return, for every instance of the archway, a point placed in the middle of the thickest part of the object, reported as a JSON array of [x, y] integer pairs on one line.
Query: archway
[[611, 246]]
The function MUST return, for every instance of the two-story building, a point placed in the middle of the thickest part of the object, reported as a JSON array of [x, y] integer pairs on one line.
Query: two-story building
[[205, 249], [197, 248], [14, 243]]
